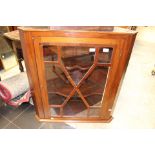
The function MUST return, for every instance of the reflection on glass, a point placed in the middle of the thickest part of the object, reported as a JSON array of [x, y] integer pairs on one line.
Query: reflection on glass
[[105, 55], [75, 107], [94, 112], [55, 112], [50, 53]]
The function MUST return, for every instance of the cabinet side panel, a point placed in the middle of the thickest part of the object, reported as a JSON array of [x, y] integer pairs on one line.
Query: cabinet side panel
[[126, 49], [110, 86], [29, 58], [124, 63]]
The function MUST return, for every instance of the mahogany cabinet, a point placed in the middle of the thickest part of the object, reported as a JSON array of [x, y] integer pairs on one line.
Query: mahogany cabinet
[[74, 75]]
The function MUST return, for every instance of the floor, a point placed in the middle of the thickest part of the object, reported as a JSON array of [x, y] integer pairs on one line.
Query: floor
[[135, 107], [23, 118]]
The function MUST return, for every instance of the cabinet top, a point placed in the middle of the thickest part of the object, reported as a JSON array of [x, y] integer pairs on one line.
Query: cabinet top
[[98, 29]]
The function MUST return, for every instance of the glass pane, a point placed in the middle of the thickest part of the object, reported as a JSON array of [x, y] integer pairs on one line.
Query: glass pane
[[94, 100], [75, 107], [93, 87], [105, 55], [55, 112], [77, 61], [65, 76], [50, 53], [94, 112], [56, 79], [58, 86]]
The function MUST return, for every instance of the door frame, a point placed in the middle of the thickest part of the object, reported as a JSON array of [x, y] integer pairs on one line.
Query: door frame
[[38, 48]]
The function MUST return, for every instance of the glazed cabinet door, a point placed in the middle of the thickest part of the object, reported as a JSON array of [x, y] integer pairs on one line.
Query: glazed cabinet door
[[75, 75]]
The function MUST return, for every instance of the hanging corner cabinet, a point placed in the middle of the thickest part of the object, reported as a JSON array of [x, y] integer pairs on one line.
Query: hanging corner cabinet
[[74, 75]]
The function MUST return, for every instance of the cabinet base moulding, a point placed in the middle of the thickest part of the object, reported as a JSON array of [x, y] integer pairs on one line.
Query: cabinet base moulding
[[75, 120]]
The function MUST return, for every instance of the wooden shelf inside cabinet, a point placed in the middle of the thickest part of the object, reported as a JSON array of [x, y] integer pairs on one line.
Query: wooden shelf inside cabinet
[[75, 74]]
